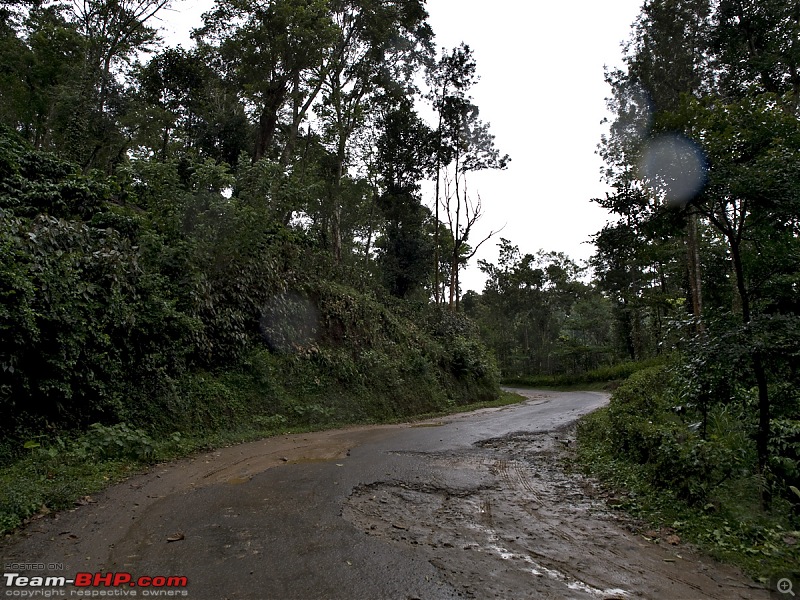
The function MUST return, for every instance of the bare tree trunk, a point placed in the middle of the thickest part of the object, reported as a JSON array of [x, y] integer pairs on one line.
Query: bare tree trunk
[[436, 211], [336, 220], [436, 237], [456, 238], [294, 126], [693, 264], [371, 229], [463, 238], [268, 121], [764, 422], [299, 112], [165, 144]]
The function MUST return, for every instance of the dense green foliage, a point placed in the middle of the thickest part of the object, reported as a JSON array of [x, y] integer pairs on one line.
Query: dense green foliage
[[540, 318], [199, 240], [113, 309], [704, 254], [605, 378], [693, 473], [703, 260]]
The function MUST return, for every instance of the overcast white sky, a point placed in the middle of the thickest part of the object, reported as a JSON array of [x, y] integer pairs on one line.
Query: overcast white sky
[[542, 90]]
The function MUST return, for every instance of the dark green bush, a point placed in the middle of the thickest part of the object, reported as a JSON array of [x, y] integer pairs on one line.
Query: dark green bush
[[647, 426], [152, 299], [640, 414], [612, 373], [785, 458]]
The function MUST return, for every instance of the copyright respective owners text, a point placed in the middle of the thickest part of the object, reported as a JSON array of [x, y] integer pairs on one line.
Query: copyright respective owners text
[[51, 580]]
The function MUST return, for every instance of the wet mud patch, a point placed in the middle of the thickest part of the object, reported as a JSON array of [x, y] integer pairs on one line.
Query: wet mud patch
[[504, 519], [442, 518]]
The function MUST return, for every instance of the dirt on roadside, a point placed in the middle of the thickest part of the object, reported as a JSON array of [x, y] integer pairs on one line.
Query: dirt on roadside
[[469, 506]]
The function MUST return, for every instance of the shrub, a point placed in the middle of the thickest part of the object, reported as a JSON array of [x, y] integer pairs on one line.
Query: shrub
[[176, 307], [639, 414], [645, 428]]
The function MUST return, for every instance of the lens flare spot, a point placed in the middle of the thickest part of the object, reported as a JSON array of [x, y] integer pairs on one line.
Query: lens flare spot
[[674, 167]]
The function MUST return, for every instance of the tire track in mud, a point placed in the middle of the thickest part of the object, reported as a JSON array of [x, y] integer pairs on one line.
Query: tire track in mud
[[526, 529]]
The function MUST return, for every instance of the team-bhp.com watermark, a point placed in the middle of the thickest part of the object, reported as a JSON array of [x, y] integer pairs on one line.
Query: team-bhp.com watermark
[[21, 583]]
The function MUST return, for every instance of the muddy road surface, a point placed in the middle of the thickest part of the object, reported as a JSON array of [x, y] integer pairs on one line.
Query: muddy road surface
[[468, 506]]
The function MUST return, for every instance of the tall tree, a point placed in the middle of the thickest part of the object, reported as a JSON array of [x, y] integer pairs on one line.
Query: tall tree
[[405, 151], [752, 193], [718, 80], [174, 83], [262, 47], [115, 32], [465, 145], [42, 61], [666, 59], [449, 81], [378, 49]]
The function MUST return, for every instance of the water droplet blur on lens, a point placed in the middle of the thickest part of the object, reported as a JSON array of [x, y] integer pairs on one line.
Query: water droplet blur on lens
[[674, 167], [289, 322]]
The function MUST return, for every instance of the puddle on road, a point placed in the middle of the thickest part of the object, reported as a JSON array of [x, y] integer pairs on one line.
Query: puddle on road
[[504, 519], [482, 534], [305, 460], [538, 570], [239, 480]]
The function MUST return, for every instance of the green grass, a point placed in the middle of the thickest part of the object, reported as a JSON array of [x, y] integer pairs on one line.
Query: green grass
[[598, 386], [37, 486], [55, 476], [505, 399], [604, 378]]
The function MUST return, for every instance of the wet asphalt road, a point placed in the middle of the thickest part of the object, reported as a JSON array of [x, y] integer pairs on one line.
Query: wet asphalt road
[[270, 524], [281, 534]]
